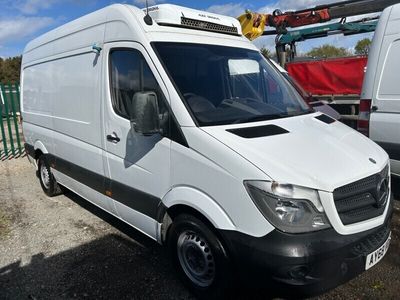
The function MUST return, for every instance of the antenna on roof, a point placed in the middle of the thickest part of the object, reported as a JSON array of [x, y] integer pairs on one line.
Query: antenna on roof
[[147, 19]]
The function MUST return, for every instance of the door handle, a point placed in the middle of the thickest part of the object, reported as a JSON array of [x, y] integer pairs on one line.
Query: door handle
[[113, 138]]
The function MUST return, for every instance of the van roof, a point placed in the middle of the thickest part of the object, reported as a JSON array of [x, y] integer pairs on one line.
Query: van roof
[[86, 21], [165, 16]]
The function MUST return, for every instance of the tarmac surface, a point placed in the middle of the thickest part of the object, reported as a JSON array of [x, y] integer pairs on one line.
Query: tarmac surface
[[65, 248]]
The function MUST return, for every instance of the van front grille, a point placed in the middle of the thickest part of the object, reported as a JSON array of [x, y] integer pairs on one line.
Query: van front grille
[[208, 26], [363, 199]]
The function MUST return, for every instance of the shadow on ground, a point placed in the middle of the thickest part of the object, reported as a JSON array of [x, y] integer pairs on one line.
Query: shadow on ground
[[9, 156], [110, 267]]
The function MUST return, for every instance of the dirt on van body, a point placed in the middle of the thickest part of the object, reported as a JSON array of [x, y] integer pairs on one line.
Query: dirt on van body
[[63, 247]]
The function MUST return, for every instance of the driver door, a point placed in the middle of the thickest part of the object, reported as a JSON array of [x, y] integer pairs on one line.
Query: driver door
[[138, 165]]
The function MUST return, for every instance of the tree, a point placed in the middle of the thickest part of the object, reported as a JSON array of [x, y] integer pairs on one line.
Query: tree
[[10, 69], [266, 52], [362, 46], [328, 51]]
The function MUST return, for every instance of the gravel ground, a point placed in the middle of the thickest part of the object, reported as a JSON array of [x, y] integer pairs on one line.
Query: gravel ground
[[63, 247]]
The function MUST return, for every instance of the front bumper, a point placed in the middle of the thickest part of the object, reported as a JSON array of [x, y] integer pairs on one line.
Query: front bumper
[[306, 264]]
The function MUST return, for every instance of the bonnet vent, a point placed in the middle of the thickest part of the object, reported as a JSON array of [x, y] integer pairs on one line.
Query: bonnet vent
[[326, 119], [258, 131]]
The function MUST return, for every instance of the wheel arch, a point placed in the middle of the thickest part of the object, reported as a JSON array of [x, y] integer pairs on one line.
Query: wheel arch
[[40, 149], [184, 199]]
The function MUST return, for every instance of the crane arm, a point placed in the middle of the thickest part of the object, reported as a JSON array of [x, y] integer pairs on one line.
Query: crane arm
[[253, 24], [350, 28]]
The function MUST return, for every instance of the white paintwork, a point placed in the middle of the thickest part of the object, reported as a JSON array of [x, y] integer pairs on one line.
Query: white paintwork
[[82, 190], [381, 83], [138, 220], [217, 173], [315, 155], [200, 201], [67, 112], [141, 222], [142, 162], [39, 146], [309, 150]]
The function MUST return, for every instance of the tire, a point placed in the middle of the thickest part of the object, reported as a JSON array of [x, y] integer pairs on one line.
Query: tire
[[47, 181], [199, 257]]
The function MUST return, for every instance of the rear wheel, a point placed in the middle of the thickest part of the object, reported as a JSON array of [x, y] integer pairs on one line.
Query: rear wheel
[[199, 257], [46, 178]]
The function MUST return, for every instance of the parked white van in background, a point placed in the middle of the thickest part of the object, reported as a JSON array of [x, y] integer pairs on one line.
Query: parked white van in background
[[379, 116], [174, 123]]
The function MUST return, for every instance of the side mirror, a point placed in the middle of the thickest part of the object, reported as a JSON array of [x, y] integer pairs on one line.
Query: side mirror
[[145, 117]]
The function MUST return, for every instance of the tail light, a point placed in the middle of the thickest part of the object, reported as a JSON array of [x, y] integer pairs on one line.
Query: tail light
[[363, 116]]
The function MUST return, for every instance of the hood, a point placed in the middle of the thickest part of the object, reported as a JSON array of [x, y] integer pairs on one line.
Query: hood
[[308, 150]]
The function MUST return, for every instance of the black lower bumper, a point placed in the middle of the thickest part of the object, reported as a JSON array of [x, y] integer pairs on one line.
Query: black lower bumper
[[307, 264]]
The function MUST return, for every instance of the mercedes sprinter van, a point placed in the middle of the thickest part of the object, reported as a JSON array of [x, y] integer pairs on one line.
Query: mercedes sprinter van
[[174, 122], [379, 116]]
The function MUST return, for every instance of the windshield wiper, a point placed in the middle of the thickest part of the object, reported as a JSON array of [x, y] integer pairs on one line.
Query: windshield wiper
[[262, 118], [305, 112]]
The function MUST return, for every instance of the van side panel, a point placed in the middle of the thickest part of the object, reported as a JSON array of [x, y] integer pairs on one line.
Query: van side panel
[[62, 106], [373, 57], [77, 110], [77, 97], [385, 93], [78, 34], [37, 106], [64, 96], [384, 130]]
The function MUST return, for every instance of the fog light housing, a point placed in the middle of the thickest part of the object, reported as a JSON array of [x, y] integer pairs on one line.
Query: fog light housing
[[299, 272]]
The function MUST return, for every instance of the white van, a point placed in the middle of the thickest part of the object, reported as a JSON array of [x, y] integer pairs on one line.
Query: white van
[[174, 123], [379, 116]]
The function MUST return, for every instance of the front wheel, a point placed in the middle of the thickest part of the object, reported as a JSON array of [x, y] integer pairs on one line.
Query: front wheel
[[199, 257], [46, 178]]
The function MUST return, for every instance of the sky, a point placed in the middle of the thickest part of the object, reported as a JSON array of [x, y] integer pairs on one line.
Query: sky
[[23, 20]]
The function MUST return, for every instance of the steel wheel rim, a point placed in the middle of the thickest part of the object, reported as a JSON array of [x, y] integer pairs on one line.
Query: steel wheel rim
[[45, 176], [196, 258]]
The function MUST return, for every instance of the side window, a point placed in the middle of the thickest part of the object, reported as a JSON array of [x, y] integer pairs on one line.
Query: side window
[[129, 74]]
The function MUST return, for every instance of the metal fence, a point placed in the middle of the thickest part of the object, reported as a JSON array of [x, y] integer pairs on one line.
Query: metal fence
[[10, 129]]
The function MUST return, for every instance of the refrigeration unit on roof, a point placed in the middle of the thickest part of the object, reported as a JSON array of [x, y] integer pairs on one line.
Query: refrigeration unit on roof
[[178, 16]]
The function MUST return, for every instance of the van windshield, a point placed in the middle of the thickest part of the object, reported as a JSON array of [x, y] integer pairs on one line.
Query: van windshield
[[227, 85]]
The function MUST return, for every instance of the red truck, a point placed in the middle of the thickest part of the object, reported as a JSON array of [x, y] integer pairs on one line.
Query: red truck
[[334, 81]]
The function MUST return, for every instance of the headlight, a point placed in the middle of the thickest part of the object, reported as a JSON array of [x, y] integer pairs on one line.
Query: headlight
[[288, 207]]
